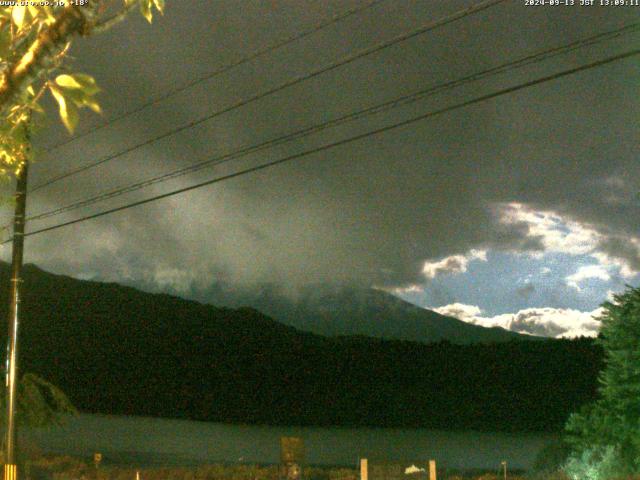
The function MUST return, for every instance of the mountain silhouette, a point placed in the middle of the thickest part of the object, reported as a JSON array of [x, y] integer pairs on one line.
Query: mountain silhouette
[[362, 311], [117, 350]]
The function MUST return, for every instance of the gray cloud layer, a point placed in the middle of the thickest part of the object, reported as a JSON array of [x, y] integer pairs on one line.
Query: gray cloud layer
[[371, 212]]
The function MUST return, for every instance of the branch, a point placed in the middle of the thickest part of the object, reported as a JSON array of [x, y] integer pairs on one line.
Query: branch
[[74, 20], [116, 18]]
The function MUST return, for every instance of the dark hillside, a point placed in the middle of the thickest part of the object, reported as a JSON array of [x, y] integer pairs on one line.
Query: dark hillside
[[363, 311], [118, 350]]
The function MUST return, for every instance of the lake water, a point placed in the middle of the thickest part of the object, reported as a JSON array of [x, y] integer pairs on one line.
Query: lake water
[[140, 441]]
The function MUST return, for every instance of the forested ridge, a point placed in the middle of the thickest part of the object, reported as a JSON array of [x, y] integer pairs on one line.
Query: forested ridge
[[118, 350]]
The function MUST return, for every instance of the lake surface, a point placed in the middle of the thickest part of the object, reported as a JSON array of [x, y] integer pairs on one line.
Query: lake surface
[[141, 441]]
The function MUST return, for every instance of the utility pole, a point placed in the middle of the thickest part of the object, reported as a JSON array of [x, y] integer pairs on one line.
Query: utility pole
[[10, 468]]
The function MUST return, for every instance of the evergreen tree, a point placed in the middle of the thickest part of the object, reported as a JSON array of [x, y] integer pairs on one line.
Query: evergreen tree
[[610, 427], [40, 403]]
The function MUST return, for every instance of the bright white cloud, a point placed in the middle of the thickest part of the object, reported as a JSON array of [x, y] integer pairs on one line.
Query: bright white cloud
[[404, 290], [555, 233], [180, 281], [453, 263], [546, 322], [461, 311], [585, 273], [562, 235]]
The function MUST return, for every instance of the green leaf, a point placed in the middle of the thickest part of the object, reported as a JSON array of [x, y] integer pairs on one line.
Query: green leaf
[[159, 5], [79, 81], [93, 104], [36, 107], [145, 9], [18, 14], [67, 81], [68, 110], [34, 11], [88, 83], [26, 96], [78, 89], [74, 95], [48, 14], [81, 99]]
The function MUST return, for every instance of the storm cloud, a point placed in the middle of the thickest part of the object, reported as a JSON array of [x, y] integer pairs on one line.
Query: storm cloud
[[374, 212]]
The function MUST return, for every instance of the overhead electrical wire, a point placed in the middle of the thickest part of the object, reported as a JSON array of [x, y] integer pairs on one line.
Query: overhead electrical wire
[[476, 8], [345, 141], [382, 107], [221, 70]]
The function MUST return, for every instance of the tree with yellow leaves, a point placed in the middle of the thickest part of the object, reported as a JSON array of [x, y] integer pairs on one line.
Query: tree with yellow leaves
[[35, 39]]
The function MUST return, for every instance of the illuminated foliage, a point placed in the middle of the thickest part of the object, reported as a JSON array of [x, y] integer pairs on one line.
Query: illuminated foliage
[[606, 434], [40, 403], [35, 39]]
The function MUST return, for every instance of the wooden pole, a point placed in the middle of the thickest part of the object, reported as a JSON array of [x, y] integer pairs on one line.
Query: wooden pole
[[10, 469], [432, 470], [364, 469]]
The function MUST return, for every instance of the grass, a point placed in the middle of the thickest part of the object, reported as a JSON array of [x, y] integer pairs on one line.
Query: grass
[[69, 468]]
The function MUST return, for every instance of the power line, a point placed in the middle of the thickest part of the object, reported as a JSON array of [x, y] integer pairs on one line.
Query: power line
[[383, 107], [344, 141], [483, 5], [223, 69]]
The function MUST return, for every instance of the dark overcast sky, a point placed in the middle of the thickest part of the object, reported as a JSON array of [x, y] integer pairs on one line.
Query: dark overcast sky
[[372, 212]]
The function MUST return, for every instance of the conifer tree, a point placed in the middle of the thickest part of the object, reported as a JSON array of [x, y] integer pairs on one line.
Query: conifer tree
[[609, 429]]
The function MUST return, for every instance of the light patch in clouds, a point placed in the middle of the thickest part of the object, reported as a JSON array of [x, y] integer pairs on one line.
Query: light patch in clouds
[[405, 290], [461, 311], [173, 279], [546, 322], [585, 273], [558, 234], [626, 270], [555, 233], [453, 263], [367, 213]]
